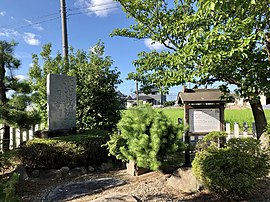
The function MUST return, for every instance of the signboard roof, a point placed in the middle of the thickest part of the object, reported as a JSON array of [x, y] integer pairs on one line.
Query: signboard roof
[[200, 96]]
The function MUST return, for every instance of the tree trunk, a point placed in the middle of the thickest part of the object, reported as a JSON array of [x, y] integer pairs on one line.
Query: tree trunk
[[259, 117], [3, 102]]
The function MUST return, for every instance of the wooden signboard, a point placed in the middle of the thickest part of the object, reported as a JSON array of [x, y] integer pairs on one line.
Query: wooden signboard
[[204, 120]]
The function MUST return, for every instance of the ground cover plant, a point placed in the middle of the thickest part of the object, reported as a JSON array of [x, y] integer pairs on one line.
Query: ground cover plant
[[147, 136], [8, 162]]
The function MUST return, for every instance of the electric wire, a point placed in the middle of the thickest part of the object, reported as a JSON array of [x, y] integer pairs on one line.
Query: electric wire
[[70, 12], [93, 11]]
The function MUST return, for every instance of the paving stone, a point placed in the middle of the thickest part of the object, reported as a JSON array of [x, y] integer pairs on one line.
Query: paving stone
[[79, 189]]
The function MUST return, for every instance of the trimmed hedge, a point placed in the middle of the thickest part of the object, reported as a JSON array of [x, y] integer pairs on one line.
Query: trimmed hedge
[[75, 150], [231, 171]]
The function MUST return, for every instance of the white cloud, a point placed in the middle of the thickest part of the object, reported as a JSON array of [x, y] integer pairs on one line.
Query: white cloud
[[31, 39], [8, 33], [153, 45], [2, 13], [100, 8], [35, 26], [21, 77]]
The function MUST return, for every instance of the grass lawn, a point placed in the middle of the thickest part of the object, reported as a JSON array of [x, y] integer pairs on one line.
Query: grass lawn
[[231, 115]]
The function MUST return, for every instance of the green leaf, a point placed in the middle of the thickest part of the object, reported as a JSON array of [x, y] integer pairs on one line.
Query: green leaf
[[212, 6]]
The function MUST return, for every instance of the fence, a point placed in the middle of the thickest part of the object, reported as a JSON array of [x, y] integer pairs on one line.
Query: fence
[[237, 132], [17, 136]]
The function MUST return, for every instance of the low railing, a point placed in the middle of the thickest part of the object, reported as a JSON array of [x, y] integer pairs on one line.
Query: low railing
[[17, 136]]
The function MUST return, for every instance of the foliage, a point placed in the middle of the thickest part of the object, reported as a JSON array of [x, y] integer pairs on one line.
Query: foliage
[[169, 103], [97, 102], [148, 137], [38, 77], [8, 188], [231, 171], [205, 41], [5, 161], [214, 138], [74, 150], [98, 105], [13, 108]]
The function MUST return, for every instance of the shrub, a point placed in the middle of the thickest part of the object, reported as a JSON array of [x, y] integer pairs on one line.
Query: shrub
[[6, 160], [148, 137], [231, 171], [74, 150], [8, 189], [214, 138], [169, 103]]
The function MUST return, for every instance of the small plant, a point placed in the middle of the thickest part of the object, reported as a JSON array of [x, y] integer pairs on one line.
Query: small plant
[[8, 160], [8, 189], [231, 171], [148, 137]]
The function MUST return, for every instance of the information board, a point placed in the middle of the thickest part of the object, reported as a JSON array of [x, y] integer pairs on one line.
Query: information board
[[204, 120]]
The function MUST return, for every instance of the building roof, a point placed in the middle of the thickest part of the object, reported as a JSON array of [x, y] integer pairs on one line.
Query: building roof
[[145, 97], [200, 96]]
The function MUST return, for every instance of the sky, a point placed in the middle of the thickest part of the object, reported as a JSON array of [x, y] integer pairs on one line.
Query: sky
[[34, 23]]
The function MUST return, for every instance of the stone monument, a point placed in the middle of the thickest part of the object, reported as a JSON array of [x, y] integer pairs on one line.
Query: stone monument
[[61, 94]]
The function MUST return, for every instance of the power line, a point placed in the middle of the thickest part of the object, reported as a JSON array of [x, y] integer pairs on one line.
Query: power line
[[40, 22], [14, 25], [31, 19], [93, 6], [93, 11]]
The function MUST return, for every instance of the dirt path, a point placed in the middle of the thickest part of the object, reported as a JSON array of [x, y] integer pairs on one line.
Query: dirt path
[[147, 187]]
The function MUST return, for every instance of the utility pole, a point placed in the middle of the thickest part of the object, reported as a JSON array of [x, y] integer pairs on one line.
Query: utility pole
[[64, 29]]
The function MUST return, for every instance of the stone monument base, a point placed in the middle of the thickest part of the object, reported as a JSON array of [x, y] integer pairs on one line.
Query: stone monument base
[[54, 133]]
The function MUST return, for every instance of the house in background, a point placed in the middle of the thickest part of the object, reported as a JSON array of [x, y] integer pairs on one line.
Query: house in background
[[243, 103], [154, 97]]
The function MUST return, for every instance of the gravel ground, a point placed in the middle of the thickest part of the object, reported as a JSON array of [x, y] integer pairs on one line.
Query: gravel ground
[[147, 187]]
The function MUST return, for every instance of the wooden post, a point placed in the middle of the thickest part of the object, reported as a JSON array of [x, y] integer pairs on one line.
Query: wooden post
[[245, 129], [18, 137], [1, 136], [236, 130], [254, 132], [187, 137]]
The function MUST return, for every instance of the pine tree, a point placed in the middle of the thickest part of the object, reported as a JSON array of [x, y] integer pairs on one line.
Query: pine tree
[[13, 108]]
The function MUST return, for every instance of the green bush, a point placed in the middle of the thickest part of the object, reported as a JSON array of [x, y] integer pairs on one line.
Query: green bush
[[6, 160], [8, 189], [74, 150], [231, 171], [169, 103], [148, 137], [214, 138]]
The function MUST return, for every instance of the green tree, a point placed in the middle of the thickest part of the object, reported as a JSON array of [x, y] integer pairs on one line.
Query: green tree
[[97, 103], [38, 77], [13, 108], [207, 41]]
